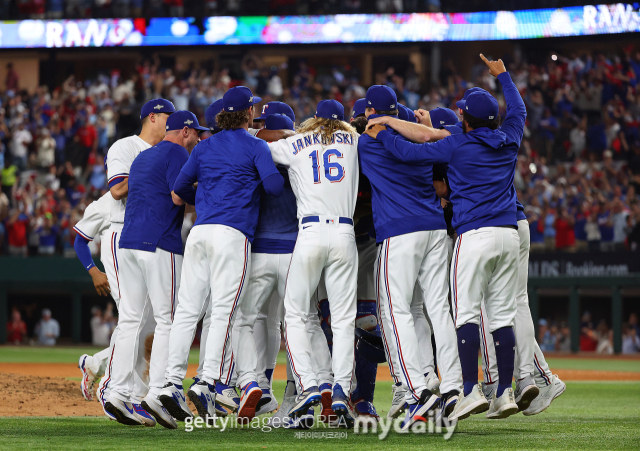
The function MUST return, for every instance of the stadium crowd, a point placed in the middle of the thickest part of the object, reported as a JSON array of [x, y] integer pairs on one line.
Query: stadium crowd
[[578, 171]]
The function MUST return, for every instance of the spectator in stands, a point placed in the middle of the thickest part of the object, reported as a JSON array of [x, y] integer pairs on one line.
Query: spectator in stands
[[549, 231], [563, 343], [546, 339], [47, 329], [633, 323], [565, 236], [100, 328], [12, 80], [536, 231], [21, 138], [605, 222], [46, 149], [9, 178], [592, 230], [16, 328], [620, 225], [48, 235], [630, 340], [17, 229], [588, 337], [605, 338]]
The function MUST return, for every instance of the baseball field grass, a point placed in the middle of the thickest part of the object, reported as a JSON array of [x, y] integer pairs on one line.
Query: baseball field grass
[[589, 415]]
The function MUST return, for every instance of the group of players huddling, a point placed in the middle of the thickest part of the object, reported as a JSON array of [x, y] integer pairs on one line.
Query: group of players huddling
[[339, 235]]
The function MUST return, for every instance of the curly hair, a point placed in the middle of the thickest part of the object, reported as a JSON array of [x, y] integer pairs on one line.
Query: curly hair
[[326, 127], [229, 120]]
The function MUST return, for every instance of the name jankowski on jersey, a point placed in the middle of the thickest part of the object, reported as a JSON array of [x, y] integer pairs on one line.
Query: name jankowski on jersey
[[316, 138]]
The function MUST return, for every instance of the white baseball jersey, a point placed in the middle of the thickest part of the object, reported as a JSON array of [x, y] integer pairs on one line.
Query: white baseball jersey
[[96, 219], [119, 159], [324, 177]]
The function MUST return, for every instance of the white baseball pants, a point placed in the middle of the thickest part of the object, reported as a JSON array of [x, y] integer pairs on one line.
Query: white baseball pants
[[266, 333], [529, 357], [485, 266], [149, 283], [109, 252], [403, 261], [268, 275], [217, 260], [332, 248]]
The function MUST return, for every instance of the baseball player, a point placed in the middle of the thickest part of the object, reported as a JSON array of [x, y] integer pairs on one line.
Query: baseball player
[[120, 156], [412, 230], [93, 223], [322, 162], [532, 397], [151, 260], [480, 174], [269, 109], [229, 168]]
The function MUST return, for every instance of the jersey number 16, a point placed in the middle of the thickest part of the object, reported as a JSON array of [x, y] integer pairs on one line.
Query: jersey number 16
[[333, 171]]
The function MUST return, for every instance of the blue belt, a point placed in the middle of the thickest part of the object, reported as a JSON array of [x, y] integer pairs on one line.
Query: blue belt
[[341, 220]]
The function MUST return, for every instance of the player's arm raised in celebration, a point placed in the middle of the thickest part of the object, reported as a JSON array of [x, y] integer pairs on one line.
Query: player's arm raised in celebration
[[413, 132], [513, 124]]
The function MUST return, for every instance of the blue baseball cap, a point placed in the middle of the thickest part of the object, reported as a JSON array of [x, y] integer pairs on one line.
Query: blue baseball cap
[[239, 98], [278, 122], [270, 108], [211, 113], [358, 108], [467, 93], [405, 113], [330, 109], [381, 97], [183, 118], [482, 105], [157, 106], [442, 116]]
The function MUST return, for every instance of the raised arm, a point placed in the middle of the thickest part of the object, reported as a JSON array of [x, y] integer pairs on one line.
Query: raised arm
[[513, 124], [417, 133]]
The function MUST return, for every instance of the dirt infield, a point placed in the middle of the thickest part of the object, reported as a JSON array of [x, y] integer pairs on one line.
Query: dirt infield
[[42, 389]]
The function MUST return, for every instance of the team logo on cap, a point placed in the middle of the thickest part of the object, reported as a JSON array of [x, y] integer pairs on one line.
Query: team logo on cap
[[230, 108], [466, 107], [335, 116], [369, 102], [188, 122], [442, 122], [158, 107], [392, 106], [490, 117], [251, 99]]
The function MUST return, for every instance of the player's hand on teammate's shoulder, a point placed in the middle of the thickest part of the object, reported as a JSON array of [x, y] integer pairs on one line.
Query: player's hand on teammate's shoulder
[[374, 130], [380, 120], [495, 67], [423, 117]]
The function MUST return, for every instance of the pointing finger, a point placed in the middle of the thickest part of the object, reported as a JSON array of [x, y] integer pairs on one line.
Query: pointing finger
[[484, 59]]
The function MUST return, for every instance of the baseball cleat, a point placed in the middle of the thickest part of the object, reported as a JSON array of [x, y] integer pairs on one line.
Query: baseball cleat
[[398, 404], [327, 413], [433, 383], [503, 406], [309, 398], [546, 396], [342, 407], [448, 402], [227, 397], [203, 396], [365, 408], [220, 410], [488, 389], [173, 399], [471, 404], [155, 408], [123, 412], [88, 378], [418, 411], [251, 395], [144, 416], [267, 403], [526, 392]]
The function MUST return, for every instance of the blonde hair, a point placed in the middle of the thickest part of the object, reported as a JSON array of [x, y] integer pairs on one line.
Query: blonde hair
[[326, 127]]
